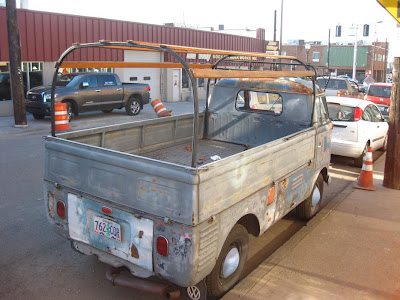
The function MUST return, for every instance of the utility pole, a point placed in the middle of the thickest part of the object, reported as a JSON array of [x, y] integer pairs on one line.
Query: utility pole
[[392, 164], [17, 89]]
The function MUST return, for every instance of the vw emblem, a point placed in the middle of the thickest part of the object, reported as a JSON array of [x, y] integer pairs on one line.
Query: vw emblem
[[33, 97], [193, 292]]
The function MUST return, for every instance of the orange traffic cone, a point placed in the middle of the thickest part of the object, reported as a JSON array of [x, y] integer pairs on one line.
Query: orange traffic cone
[[61, 117], [365, 181], [160, 109]]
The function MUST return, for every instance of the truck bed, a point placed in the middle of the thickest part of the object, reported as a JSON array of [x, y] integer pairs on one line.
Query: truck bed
[[208, 151]]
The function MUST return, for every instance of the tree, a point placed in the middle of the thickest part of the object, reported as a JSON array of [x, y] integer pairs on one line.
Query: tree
[[14, 46], [392, 164]]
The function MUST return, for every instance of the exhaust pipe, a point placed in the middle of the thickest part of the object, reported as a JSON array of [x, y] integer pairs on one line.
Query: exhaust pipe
[[129, 281]]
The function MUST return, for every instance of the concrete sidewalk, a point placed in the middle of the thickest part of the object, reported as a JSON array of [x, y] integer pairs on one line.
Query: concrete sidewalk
[[349, 250]]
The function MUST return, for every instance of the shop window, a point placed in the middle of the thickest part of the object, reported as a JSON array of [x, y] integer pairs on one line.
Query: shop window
[[133, 79], [147, 78]]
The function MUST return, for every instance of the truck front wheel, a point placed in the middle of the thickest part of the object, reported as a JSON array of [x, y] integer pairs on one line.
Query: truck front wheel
[[133, 106], [230, 263], [309, 207]]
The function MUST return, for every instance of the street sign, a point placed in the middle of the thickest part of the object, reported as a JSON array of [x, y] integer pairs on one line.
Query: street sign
[[393, 7]]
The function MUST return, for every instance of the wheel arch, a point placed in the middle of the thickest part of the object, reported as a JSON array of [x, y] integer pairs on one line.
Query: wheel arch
[[251, 223], [75, 108], [136, 96]]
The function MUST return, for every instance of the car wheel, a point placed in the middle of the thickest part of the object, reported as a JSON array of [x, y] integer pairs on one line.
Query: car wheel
[[38, 116], [107, 111], [230, 263], [309, 207], [69, 110], [132, 108], [358, 162]]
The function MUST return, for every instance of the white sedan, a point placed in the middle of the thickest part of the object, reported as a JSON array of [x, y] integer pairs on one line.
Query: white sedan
[[357, 125]]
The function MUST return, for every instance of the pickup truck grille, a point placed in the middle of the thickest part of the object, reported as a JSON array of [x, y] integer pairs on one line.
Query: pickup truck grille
[[35, 97]]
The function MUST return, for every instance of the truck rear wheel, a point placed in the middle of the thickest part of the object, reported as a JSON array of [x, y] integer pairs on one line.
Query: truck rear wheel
[[309, 207], [133, 106], [230, 263]]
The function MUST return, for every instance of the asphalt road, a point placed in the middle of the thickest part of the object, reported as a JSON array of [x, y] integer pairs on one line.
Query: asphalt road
[[36, 263]]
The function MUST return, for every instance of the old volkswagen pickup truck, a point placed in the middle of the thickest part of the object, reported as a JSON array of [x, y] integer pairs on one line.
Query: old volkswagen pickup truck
[[177, 197]]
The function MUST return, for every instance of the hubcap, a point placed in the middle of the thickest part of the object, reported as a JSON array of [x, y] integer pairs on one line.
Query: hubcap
[[135, 107], [316, 197], [231, 263]]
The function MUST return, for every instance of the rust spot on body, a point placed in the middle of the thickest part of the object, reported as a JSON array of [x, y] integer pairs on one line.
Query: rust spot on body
[[134, 251], [284, 184], [140, 235], [154, 180]]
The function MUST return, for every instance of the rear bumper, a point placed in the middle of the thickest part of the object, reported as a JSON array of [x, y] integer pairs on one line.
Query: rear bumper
[[346, 148], [39, 108]]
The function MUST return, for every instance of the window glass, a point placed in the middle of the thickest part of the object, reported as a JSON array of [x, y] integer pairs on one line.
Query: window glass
[[339, 112], [320, 110], [368, 114], [91, 80], [380, 91], [107, 80], [315, 57], [259, 101], [376, 114]]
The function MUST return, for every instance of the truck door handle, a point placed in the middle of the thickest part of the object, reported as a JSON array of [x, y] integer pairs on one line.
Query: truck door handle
[[98, 91], [119, 89]]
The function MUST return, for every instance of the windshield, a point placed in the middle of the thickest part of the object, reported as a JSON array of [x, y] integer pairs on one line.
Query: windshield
[[335, 84], [339, 112], [67, 79], [380, 91]]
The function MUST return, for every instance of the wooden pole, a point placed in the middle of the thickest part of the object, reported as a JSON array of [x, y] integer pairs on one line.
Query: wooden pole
[[392, 165], [14, 46]]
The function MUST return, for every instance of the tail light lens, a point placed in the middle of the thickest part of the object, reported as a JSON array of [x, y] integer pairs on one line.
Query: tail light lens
[[148, 88], [162, 246], [339, 94], [61, 209], [357, 114]]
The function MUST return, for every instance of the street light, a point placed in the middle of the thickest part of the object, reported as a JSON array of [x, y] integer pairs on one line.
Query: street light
[[308, 47]]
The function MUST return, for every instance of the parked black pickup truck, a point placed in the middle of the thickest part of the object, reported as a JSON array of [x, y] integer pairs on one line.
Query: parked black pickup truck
[[88, 92]]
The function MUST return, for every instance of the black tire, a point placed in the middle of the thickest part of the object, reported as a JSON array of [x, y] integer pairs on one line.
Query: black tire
[[69, 110], [309, 207], [107, 111], [133, 106], [217, 283], [38, 116], [358, 162]]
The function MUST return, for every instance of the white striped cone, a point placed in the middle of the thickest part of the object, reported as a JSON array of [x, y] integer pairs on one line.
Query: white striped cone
[[366, 179]]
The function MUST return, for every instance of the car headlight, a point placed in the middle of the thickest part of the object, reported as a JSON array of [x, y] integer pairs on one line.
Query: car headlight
[[47, 97]]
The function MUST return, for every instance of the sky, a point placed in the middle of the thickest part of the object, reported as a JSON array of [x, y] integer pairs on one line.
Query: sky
[[308, 20]]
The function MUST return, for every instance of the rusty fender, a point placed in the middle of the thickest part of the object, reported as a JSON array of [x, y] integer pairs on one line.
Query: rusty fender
[[129, 281]]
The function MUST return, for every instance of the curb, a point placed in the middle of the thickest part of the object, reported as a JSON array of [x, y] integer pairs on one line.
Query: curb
[[248, 283]]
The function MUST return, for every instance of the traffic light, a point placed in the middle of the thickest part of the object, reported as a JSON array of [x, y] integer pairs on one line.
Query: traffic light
[[366, 30], [338, 31]]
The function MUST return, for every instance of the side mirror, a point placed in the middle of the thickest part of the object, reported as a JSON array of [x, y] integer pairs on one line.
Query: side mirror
[[85, 84]]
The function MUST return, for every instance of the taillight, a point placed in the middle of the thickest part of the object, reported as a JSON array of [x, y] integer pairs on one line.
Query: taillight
[[339, 94], [357, 114], [61, 209], [162, 245], [148, 88]]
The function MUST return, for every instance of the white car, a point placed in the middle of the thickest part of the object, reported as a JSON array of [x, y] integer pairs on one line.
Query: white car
[[357, 125]]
